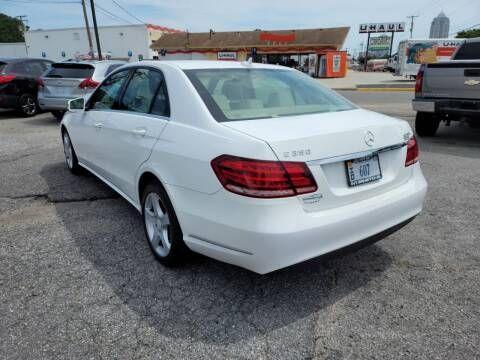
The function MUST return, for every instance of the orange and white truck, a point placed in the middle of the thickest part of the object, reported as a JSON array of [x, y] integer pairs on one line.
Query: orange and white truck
[[412, 53]]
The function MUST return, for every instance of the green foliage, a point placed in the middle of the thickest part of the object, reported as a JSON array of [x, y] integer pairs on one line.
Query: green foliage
[[11, 29], [467, 34]]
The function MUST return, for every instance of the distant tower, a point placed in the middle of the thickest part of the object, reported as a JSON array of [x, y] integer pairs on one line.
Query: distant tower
[[440, 27]]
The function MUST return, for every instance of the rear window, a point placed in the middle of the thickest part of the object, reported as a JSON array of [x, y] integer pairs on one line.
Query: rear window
[[468, 51], [71, 71], [245, 94], [2, 67]]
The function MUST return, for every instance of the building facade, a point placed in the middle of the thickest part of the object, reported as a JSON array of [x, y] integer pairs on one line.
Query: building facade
[[13, 50], [313, 51], [440, 27], [127, 42]]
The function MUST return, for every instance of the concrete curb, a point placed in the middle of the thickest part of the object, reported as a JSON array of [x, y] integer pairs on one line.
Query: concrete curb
[[375, 88]]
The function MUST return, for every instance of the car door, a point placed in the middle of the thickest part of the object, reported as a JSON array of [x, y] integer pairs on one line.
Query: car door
[[87, 135], [129, 134]]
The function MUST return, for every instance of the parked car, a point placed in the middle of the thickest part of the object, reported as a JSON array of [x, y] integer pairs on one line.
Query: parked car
[[19, 83], [449, 90], [256, 165], [71, 79]]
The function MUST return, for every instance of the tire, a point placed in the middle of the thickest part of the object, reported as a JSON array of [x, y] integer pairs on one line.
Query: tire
[[27, 105], [161, 226], [70, 157], [426, 124], [58, 114]]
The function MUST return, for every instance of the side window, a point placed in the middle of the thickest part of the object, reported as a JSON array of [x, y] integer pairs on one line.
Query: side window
[[19, 68], [35, 68], [105, 96], [141, 90], [161, 105]]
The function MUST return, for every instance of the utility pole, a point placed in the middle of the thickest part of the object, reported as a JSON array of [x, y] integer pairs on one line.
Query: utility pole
[[412, 18], [95, 29], [87, 26], [24, 20]]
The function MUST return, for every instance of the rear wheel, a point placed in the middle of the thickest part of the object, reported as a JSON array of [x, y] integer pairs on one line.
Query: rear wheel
[[58, 114], [27, 105], [161, 226], [426, 124]]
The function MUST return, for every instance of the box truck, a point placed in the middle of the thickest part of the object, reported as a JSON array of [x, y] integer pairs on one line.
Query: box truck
[[412, 53]]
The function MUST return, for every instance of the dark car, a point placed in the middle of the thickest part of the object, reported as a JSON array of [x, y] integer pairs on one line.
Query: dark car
[[19, 83]]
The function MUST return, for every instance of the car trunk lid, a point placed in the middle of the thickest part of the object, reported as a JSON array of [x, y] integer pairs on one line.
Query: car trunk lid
[[326, 141]]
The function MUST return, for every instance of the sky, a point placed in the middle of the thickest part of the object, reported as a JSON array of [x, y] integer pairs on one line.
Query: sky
[[229, 15]]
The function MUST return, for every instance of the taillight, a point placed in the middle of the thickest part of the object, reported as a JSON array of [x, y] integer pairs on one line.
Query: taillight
[[88, 83], [413, 152], [263, 179], [6, 78], [40, 83], [419, 80]]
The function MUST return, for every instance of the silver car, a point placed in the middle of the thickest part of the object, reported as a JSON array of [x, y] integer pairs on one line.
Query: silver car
[[69, 80]]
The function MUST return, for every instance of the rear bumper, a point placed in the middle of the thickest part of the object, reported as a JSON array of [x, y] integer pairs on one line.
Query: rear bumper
[[267, 235], [465, 107], [46, 103]]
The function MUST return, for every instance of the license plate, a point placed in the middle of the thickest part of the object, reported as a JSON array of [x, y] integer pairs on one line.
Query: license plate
[[363, 170]]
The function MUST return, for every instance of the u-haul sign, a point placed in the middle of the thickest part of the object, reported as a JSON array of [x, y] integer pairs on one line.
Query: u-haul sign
[[382, 27]]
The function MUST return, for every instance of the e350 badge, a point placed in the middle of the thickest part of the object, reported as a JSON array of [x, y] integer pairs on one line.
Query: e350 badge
[[296, 153]]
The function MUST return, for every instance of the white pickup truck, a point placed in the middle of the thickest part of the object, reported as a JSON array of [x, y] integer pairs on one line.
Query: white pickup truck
[[449, 90]]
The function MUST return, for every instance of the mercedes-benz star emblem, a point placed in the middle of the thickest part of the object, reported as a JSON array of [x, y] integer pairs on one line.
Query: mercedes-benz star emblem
[[369, 138]]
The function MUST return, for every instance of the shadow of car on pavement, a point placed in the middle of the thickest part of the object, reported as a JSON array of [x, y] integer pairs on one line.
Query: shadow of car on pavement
[[204, 299]]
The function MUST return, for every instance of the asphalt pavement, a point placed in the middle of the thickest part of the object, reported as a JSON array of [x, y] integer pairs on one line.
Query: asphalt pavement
[[78, 281]]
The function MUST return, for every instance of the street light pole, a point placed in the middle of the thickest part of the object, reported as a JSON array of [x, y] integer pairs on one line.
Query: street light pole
[[95, 29]]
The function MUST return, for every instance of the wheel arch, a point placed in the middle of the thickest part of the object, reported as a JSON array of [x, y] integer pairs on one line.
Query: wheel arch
[[148, 176]]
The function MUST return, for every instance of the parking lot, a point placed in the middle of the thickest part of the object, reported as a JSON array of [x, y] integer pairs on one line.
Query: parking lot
[[77, 279]]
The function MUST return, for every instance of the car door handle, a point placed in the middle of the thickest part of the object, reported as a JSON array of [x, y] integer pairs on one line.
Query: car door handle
[[140, 132], [99, 125]]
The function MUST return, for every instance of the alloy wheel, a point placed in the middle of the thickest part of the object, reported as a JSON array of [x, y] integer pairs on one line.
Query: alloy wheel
[[157, 223], [28, 105], [67, 149]]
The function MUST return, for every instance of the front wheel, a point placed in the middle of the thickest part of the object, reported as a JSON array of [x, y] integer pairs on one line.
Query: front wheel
[[161, 226], [426, 124], [70, 157], [27, 105]]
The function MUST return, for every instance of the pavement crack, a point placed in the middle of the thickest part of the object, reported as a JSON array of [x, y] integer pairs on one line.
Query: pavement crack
[[59, 201]]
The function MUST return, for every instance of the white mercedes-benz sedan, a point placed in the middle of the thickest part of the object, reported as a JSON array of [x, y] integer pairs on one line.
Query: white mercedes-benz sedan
[[255, 165]]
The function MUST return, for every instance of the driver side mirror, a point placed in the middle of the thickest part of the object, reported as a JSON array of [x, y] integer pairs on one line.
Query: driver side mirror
[[76, 105]]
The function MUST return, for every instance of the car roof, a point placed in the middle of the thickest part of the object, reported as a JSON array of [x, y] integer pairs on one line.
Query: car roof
[[91, 62], [14, 60], [207, 64]]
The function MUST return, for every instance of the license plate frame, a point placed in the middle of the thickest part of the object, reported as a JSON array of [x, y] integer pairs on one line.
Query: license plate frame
[[371, 160]]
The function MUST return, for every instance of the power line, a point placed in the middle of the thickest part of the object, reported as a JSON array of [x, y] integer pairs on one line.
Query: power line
[[128, 12], [112, 15], [42, 2], [468, 28]]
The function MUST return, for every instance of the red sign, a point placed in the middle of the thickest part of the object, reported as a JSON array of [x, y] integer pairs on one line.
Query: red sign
[[281, 38], [446, 51]]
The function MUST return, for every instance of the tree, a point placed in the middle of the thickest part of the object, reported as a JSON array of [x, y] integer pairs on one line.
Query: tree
[[467, 34], [11, 29]]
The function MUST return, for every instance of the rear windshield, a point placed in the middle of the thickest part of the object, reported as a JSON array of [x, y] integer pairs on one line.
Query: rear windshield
[[72, 71], [468, 51], [245, 94]]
